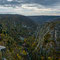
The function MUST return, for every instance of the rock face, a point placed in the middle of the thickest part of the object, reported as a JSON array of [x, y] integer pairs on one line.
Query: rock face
[[2, 50]]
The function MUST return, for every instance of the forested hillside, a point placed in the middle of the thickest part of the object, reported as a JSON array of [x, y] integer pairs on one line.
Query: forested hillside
[[14, 29], [25, 40]]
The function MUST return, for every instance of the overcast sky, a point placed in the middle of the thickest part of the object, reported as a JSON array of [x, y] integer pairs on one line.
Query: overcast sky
[[30, 7]]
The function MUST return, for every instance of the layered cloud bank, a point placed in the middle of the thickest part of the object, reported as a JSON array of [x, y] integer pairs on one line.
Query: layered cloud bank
[[33, 7]]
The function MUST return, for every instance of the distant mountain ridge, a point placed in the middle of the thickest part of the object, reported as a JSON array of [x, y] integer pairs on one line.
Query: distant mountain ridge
[[42, 19]]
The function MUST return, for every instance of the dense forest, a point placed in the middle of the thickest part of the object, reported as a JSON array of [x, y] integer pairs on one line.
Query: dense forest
[[26, 40]]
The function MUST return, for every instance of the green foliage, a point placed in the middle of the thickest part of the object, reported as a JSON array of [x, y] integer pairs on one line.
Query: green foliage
[[11, 31]]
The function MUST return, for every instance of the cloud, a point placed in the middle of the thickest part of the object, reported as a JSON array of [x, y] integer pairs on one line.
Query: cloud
[[9, 0], [36, 9], [18, 2], [32, 7]]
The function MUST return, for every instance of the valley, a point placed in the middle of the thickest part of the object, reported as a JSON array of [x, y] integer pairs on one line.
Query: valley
[[30, 38]]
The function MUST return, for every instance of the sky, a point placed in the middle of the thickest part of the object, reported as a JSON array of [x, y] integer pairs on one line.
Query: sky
[[30, 7]]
